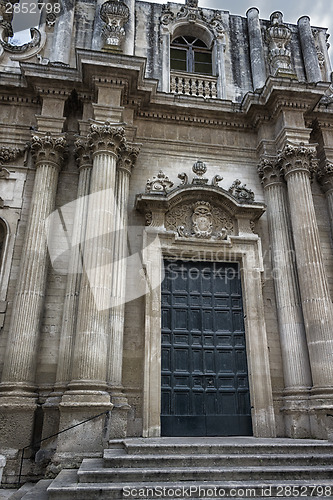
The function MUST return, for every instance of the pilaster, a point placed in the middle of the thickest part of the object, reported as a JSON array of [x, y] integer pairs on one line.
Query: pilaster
[[295, 357], [325, 178], [298, 164]]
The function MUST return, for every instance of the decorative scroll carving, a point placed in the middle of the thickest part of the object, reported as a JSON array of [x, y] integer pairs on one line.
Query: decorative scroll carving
[[298, 157], [82, 153], [192, 3], [127, 157], [35, 41], [48, 149], [269, 171], [241, 192], [216, 179], [4, 173], [167, 15], [199, 220], [325, 177], [278, 36], [184, 178], [106, 137], [159, 184], [115, 14], [148, 218]]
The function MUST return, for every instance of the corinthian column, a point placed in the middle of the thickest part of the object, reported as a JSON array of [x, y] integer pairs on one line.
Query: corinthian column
[[325, 178], [87, 393], [298, 163], [126, 160], [295, 357], [18, 377], [84, 160]]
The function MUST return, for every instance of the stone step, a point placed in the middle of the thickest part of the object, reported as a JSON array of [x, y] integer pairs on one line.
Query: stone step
[[218, 446], [119, 460], [66, 487], [92, 471]]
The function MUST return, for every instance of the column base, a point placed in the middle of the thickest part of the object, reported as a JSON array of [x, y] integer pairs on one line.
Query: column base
[[17, 416], [51, 420], [321, 413], [118, 427], [87, 439], [296, 414]]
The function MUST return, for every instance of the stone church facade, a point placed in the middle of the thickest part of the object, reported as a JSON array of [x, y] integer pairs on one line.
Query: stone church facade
[[166, 228]]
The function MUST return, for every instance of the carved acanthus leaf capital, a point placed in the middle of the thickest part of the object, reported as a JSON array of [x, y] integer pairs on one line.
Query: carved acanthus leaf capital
[[127, 157], [325, 177], [269, 171], [82, 153], [298, 157], [106, 137], [48, 149]]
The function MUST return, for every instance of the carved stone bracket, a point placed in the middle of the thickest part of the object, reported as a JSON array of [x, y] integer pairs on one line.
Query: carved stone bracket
[[301, 157], [106, 137], [325, 177], [241, 192], [115, 15], [278, 37], [48, 149]]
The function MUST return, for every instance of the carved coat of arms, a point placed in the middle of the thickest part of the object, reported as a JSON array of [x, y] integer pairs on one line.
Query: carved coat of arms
[[202, 220]]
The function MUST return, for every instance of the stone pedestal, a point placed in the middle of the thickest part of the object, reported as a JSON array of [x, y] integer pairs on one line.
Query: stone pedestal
[[18, 378], [298, 163], [295, 357]]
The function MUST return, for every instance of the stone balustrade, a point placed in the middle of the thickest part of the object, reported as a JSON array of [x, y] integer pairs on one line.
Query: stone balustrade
[[193, 85]]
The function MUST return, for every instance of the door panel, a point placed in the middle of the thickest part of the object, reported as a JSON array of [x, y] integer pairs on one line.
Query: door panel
[[205, 387]]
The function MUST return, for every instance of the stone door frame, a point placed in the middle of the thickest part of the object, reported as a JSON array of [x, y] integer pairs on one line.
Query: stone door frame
[[244, 249]]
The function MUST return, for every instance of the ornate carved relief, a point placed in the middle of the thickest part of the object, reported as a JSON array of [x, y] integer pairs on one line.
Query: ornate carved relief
[[278, 36], [298, 157], [106, 137], [115, 14], [48, 149], [9, 154], [159, 184], [241, 192], [199, 220]]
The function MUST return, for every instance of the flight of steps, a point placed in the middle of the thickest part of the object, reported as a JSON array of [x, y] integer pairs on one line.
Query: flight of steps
[[211, 467]]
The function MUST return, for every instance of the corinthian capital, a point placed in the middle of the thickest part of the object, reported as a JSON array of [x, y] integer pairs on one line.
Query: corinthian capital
[[106, 137], [127, 157], [82, 153], [48, 149], [298, 157], [269, 171], [325, 177]]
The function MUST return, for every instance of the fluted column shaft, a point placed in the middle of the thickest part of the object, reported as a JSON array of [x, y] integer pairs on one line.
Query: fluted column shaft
[[295, 357], [90, 353], [297, 162], [325, 178], [22, 347], [83, 156], [126, 160]]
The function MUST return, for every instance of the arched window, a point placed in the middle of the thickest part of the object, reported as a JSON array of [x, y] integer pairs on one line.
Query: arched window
[[191, 55]]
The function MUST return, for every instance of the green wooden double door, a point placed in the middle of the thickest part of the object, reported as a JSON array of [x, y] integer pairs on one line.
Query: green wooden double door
[[205, 389]]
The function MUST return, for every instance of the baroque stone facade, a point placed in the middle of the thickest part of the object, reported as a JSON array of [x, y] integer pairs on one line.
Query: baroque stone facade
[[117, 158]]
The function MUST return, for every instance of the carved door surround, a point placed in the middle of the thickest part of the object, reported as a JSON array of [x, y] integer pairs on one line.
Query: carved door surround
[[202, 222]]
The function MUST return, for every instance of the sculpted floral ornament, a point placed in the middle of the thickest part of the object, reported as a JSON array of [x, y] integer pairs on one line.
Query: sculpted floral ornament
[[9, 154], [278, 36], [159, 184], [115, 14], [241, 192]]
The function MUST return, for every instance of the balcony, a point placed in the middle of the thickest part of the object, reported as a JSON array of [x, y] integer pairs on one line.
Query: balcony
[[193, 84]]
